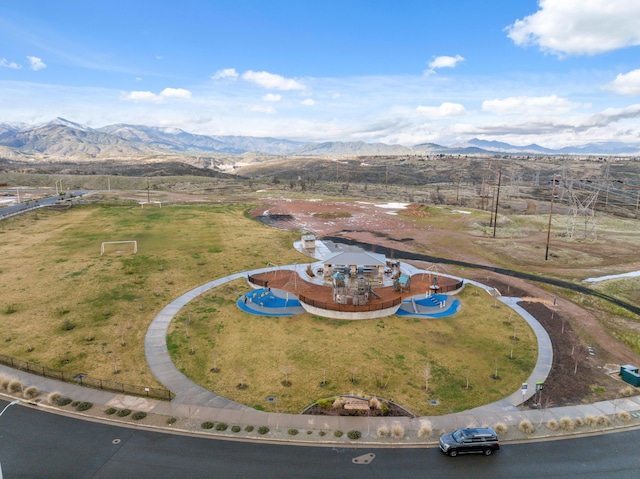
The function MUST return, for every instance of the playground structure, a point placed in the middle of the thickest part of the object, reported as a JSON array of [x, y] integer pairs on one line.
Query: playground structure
[[353, 286]]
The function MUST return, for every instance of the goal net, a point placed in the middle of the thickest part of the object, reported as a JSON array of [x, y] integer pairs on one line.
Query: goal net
[[118, 247]]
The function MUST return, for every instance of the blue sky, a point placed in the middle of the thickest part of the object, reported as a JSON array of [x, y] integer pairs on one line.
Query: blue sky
[[552, 72]]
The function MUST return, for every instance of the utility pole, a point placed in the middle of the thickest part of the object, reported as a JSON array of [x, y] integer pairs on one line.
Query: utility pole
[[495, 216], [553, 191]]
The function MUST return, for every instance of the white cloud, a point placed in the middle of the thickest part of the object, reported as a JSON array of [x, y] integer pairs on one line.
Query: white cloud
[[225, 74], [443, 62], [272, 81], [442, 111], [7, 64], [612, 115], [142, 97], [272, 97], [263, 109], [308, 102], [626, 83], [36, 63], [579, 27], [180, 93], [150, 97], [527, 105]]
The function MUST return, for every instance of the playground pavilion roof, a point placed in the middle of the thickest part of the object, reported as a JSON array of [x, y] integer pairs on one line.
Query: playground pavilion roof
[[355, 258]]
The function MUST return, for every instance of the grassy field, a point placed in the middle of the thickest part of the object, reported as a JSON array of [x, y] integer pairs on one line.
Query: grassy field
[[386, 357], [67, 307]]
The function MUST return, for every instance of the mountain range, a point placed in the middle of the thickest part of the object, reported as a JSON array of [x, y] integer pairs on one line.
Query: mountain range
[[64, 139]]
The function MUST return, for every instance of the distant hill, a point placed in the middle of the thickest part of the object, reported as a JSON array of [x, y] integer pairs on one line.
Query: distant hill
[[62, 139], [605, 148]]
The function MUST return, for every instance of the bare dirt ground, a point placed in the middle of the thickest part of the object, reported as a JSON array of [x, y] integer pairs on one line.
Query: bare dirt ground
[[586, 356]]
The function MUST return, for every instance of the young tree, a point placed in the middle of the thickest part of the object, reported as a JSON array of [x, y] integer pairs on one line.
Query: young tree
[[286, 370], [426, 373]]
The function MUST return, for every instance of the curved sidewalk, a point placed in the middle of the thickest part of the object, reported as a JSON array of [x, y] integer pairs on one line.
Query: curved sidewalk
[[188, 393]]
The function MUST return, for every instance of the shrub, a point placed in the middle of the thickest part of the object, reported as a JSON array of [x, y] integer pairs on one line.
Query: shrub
[[31, 392], [552, 425], [624, 416], [14, 386], [325, 403], [75, 403], [591, 420], [207, 425], [397, 431], [236, 428], [603, 421], [124, 412], [138, 415], [171, 420], [567, 424], [500, 428], [84, 406], [338, 403], [526, 427], [221, 426], [63, 401], [425, 429], [4, 381], [263, 430], [354, 435], [384, 407], [53, 397], [10, 309], [67, 325], [338, 433], [375, 403], [292, 432], [248, 428], [626, 392], [579, 422], [110, 411], [383, 431], [322, 433], [309, 432]]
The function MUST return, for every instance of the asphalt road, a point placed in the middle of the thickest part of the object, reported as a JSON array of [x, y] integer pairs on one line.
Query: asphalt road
[[11, 209], [37, 444]]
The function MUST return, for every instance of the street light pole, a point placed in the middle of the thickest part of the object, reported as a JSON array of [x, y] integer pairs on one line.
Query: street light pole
[[12, 403]]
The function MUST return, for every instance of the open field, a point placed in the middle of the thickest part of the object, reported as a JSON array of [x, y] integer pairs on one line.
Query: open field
[[67, 307]]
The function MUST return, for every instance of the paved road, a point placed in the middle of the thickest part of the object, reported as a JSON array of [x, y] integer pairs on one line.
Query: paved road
[[14, 209], [35, 444]]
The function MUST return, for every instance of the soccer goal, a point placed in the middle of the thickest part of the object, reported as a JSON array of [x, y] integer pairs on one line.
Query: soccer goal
[[118, 247]]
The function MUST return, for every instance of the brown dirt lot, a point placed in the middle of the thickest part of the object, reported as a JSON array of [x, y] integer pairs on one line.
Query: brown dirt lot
[[572, 328]]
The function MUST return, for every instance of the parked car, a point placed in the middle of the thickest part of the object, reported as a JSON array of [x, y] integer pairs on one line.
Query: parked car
[[469, 440]]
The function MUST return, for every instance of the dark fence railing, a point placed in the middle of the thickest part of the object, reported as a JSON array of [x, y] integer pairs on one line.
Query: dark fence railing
[[257, 281], [446, 288], [350, 308], [84, 380]]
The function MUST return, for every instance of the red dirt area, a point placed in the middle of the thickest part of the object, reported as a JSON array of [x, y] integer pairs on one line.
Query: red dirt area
[[578, 374]]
